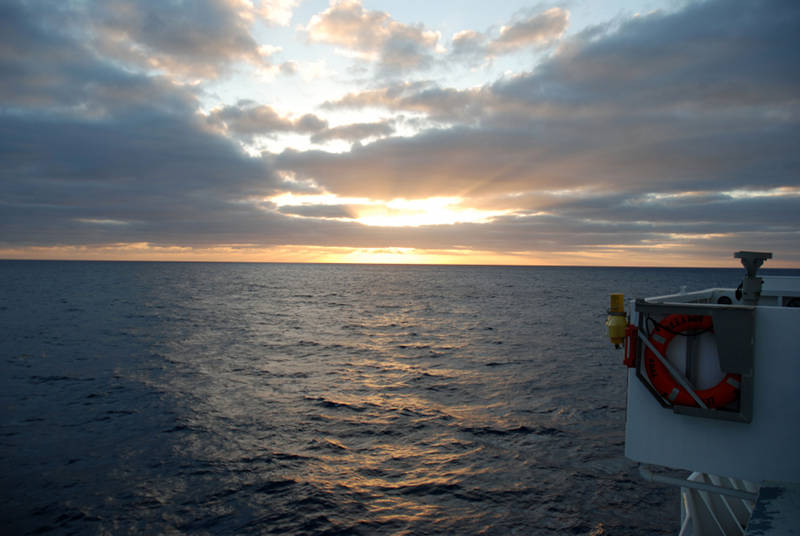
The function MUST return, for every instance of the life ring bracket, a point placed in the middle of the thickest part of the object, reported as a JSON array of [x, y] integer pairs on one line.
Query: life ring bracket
[[679, 378], [733, 329]]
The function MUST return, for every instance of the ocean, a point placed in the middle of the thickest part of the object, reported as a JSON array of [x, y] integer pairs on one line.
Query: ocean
[[216, 398]]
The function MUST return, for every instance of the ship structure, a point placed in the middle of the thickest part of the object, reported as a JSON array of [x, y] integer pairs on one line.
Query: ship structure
[[714, 392]]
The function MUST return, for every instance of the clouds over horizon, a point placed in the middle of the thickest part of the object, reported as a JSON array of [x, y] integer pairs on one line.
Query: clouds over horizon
[[608, 113], [672, 129], [94, 153]]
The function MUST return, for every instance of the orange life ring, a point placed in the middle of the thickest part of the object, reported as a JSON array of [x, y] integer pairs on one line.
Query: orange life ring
[[718, 396]]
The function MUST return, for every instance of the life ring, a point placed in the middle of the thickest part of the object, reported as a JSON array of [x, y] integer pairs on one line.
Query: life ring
[[718, 396]]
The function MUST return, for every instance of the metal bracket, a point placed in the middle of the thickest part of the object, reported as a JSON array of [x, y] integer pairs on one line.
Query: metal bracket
[[649, 476], [751, 284]]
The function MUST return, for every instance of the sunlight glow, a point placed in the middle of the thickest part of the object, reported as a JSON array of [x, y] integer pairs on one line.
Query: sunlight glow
[[144, 251], [402, 255], [696, 236], [307, 200], [398, 212], [645, 254], [101, 221], [785, 191]]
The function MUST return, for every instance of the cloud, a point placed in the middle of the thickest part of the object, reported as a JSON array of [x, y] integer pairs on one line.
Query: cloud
[[437, 103], [668, 131], [398, 48], [193, 40], [315, 211], [656, 73], [97, 154], [44, 68], [162, 174], [700, 100], [355, 132], [686, 65], [248, 119], [431, 164], [289, 68], [468, 43], [274, 11], [158, 179], [537, 30], [703, 56], [512, 158], [374, 36]]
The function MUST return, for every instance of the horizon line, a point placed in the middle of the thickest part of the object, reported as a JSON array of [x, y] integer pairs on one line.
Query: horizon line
[[410, 264]]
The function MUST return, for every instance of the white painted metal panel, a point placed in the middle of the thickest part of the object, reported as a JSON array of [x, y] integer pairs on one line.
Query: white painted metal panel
[[768, 448]]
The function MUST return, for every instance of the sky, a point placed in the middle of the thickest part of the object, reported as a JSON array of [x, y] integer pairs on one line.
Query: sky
[[635, 133]]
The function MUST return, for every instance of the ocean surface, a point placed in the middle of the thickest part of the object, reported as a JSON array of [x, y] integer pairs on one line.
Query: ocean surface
[[194, 398]]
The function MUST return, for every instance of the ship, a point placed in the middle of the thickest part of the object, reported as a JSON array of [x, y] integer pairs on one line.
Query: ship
[[713, 400]]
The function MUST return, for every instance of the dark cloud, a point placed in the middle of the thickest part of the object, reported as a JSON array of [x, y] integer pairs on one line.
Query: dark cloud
[[317, 211], [248, 119], [187, 41], [197, 39], [46, 68], [489, 162], [707, 55], [696, 213], [95, 153], [435, 163], [162, 175]]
